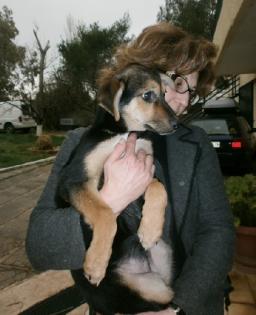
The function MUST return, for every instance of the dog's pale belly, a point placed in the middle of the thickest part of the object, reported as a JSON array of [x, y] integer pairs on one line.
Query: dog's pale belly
[[150, 278], [159, 261], [95, 160]]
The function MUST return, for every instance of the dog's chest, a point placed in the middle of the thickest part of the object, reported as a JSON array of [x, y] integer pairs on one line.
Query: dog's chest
[[94, 160]]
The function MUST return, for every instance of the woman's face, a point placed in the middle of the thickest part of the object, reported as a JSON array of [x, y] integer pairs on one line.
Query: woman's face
[[177, 101]]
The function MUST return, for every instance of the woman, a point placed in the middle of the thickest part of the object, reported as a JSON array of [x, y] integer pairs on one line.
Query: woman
[[198, 219]]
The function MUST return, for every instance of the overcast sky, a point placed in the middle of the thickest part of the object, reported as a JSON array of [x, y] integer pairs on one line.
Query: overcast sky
[[51, 15]]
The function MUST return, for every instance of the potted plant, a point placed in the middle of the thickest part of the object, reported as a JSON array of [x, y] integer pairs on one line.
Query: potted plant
[[241, 191]]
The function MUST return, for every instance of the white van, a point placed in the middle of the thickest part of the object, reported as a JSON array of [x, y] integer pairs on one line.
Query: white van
[[15, 115]]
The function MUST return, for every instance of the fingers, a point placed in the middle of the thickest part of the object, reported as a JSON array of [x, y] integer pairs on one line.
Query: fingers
[[141, 155], [130, 144], [118, 151], [147, 159], [124, 148], [149, 166]]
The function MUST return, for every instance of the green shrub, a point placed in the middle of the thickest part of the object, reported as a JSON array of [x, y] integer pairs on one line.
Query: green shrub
[[241, 191]]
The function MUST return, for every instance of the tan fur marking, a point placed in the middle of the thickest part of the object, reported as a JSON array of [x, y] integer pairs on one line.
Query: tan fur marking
[[103, 222], [94, 161], [112, 95], [117, 101], [137, 113], [140, 113], [153, 214]]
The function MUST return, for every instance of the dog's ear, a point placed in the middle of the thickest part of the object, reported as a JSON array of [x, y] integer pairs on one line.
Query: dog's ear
[[109, 96]]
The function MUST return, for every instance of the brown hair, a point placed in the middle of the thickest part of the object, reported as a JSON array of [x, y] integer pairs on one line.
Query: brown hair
[[166, 47]]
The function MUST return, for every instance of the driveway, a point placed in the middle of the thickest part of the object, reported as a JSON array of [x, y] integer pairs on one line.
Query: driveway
[[19, 192]]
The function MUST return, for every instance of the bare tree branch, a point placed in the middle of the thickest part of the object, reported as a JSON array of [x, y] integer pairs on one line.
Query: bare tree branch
[[39, 44], [43, 52]]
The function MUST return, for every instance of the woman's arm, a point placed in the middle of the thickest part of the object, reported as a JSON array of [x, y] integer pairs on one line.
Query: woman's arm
[[54, 237]]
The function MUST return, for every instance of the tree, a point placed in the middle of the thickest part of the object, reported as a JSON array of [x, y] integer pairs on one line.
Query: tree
[[82, 56], [198, 17], [90, 49], [10, 54], [29, 70]]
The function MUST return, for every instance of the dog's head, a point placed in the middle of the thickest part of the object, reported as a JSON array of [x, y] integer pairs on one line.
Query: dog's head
[[136, 97]]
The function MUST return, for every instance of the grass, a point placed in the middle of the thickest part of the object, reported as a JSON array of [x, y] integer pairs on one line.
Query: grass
[[16, 148]]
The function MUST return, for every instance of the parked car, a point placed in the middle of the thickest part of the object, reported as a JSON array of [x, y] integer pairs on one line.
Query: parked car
[[15, 115], [221, 105], [231, 136]]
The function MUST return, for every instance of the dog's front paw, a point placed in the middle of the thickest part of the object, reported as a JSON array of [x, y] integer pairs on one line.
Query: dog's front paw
[[148, 236], [94, 269]]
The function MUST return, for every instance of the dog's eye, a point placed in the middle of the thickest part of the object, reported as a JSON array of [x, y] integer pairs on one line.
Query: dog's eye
[[149, 96]]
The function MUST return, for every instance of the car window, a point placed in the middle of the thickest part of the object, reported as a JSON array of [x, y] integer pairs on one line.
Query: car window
[[25, 110], [216, 126]]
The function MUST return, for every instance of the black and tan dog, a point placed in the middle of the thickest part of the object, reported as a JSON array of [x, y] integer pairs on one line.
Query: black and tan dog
[[127, 265]]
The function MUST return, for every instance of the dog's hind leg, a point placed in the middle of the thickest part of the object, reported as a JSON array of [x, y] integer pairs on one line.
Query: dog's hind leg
[[161, 260], [103, 223], [153, 214]]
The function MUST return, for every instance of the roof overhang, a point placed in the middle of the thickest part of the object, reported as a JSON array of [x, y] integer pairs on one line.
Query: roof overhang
[[235, 37]]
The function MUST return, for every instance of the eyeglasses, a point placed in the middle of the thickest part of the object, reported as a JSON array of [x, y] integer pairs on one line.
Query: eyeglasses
[[180, 85]]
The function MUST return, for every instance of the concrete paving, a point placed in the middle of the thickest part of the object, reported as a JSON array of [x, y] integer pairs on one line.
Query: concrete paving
[[21, 295], [19, 191], [243, 298], [21, 286]]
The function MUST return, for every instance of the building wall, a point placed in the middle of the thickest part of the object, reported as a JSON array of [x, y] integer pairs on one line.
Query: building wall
[[245, 79], [228, 14], [235, 38], [229, 11], [247, 100]]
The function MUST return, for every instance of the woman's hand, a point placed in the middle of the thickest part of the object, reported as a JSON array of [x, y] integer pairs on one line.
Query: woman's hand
[[126, 175]]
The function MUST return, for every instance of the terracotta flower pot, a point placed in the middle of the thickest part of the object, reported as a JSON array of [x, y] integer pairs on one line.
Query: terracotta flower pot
[[245, 256]]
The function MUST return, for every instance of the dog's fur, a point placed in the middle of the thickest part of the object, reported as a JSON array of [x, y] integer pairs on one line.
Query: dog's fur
[[127, 267]]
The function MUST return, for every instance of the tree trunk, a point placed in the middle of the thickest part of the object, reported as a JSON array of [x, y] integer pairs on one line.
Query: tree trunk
[[39, 130], [41, 104]]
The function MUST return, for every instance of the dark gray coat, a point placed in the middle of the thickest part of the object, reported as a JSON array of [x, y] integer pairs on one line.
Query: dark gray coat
[[203, 221]]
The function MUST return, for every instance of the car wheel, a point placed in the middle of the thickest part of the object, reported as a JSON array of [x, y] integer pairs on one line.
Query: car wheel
[[26, 130], [9, 128]]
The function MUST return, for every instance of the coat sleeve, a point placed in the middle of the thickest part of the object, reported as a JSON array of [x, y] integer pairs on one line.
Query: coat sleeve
[[54, 238], [205, 270]]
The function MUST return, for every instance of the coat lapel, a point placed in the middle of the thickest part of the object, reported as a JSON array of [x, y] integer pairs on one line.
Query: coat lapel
[[182, 154]]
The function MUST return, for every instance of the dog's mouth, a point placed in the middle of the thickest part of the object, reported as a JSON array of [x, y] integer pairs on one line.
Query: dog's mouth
[[163, 131]]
